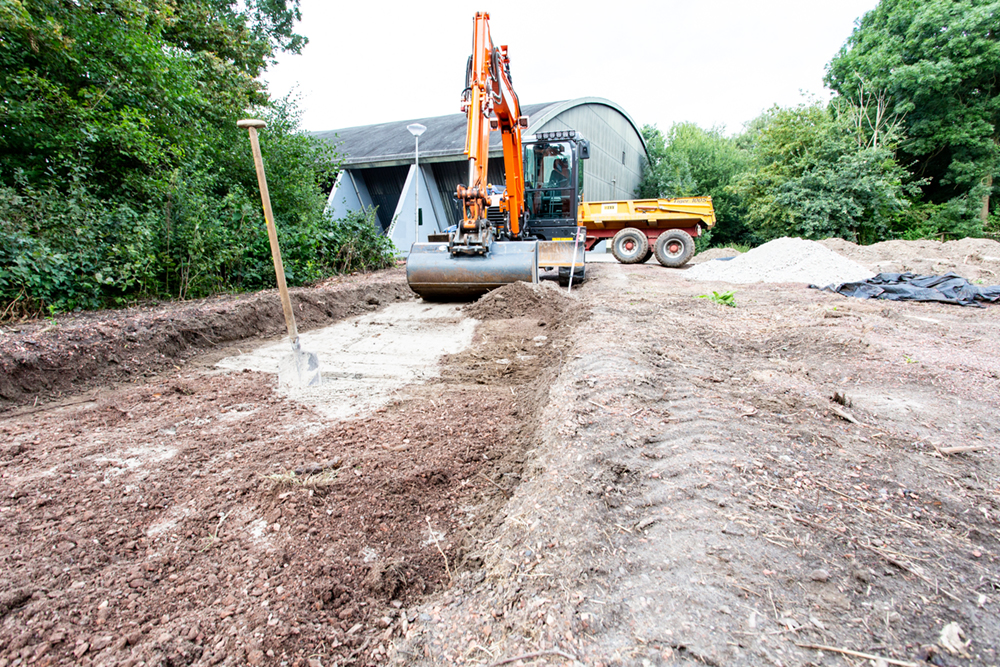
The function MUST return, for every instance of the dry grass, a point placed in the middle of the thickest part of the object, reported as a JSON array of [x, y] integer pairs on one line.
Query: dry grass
[[291, 480]]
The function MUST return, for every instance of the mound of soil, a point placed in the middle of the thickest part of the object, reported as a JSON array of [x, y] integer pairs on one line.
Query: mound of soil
[[714, 253], [205, 518], [544, 300], [973, 259]]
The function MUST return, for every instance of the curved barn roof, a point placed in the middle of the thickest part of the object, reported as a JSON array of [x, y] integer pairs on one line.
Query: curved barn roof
[[388, 144]]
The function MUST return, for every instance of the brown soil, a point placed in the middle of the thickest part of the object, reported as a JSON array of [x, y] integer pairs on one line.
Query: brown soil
[[630, 475], [976, 260], [42, 360]]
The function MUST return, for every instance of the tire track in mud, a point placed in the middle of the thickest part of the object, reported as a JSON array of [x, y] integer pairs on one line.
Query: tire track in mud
[[664, 482], [626, 443], [677, 595], [692, 499]]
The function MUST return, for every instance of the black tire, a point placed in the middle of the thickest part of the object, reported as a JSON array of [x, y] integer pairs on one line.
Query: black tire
[[579, 276], [629, 246], [649, 253], [674, 248]]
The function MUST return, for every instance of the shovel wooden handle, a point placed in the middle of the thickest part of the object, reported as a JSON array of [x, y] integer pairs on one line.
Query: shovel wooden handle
[[272, 233]]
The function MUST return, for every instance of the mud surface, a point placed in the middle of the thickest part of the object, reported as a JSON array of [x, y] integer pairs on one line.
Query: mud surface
[[629, 475]]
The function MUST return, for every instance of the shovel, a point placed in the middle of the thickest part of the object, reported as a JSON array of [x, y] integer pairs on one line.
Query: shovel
[[300, 368]]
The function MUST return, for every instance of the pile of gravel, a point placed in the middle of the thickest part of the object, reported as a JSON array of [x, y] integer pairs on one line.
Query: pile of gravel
[[784, 260]]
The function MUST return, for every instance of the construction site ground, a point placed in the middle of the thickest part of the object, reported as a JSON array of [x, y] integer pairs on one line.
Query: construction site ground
[[628, 475]]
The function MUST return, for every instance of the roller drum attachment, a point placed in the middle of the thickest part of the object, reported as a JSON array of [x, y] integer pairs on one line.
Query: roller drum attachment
[[437, 275]]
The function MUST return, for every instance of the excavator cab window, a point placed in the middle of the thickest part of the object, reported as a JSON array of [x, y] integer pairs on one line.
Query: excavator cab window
[[549, 180], [579, 182]]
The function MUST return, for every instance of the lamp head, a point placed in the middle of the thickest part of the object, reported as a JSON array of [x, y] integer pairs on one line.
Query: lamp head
[[416, 129]]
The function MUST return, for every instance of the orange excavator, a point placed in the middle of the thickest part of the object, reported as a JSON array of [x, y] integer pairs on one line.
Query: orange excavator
[[541, 219], [486, 251]]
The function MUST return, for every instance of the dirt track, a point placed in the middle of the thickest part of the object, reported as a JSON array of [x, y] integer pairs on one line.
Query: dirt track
[[631, 476]]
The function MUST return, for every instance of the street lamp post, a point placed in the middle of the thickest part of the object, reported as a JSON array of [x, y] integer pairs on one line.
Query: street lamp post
[[416, 129]]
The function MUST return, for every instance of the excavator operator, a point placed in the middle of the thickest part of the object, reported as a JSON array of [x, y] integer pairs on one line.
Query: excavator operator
[[559, 178]]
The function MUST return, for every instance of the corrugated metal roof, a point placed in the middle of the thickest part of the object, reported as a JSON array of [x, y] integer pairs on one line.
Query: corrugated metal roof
[[389, 144], [385, 144]]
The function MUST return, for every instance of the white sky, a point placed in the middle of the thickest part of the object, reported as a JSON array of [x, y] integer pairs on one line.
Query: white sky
[[713, 62]]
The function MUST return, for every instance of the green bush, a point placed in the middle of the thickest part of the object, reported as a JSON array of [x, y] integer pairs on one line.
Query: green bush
[[949, 220], [71, 248], [357, 243]]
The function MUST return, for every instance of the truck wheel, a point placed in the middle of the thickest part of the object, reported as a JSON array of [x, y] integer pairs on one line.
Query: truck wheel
[[674, 248], [629, 246], [649, 253], [579, 276]]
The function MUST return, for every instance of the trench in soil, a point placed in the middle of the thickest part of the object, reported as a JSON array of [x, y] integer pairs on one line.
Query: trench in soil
[[209, 516]]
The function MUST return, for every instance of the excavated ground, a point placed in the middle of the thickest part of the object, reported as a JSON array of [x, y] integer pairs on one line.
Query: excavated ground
[[631, 475]]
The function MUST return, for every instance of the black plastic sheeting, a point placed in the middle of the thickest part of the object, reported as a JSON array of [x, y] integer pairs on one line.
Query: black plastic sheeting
[[949, 288]]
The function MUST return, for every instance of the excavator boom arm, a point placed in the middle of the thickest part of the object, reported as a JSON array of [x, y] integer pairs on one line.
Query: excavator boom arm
[[477, 256], [491, 104]]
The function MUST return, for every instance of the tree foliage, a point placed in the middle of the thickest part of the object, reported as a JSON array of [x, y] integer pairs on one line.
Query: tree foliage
[[811, 171], [122, 171], [813, 176], [938, 63], [129, 89], [690, 161], [908, 148], [668, 173]]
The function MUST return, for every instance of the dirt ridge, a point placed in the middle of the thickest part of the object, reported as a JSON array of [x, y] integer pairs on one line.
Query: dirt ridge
[[69, 355], [697, 499]]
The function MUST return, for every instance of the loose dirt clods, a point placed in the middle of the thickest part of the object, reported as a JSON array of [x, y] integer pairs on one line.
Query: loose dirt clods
[[626, 476]]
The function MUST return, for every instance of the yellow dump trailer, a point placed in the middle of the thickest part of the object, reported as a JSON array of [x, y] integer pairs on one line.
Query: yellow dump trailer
[[640, 228]]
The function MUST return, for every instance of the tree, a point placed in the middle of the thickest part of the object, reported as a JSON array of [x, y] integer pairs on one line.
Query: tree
[[122, 171], [668, 173], [691, 161], [938, 64], [126, 89], [810, 176], [714, 161]]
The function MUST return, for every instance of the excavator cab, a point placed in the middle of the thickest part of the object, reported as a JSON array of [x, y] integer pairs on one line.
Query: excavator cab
[[553, 184], [553, 191], [548, 180]]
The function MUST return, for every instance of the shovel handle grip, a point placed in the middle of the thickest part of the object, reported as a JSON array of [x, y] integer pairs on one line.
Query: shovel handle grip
[[272, 233]]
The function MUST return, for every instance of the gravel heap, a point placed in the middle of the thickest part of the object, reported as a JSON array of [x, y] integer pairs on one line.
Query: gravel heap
[[784, 260]]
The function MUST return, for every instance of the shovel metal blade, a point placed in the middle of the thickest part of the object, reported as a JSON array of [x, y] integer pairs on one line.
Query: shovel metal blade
[[299, 369]]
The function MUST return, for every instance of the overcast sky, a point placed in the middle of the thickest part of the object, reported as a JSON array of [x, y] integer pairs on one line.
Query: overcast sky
[[712, 62]]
